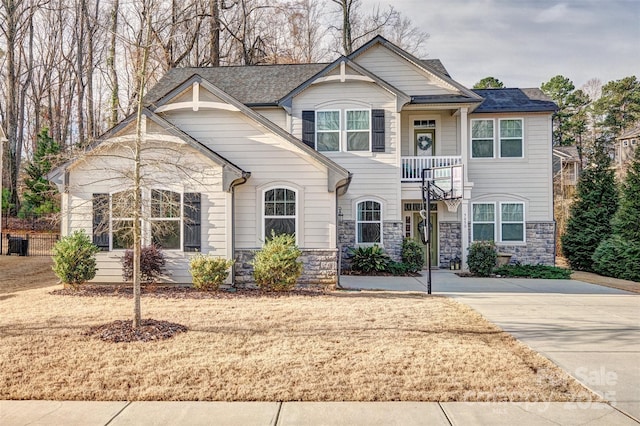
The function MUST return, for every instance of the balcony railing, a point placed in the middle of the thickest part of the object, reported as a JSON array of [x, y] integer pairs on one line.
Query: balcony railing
[[412, 166]]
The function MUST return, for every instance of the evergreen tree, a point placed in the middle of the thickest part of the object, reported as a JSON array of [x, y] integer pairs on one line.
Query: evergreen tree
[[39, 197], [626, 222], [591, 213], [489, 83]]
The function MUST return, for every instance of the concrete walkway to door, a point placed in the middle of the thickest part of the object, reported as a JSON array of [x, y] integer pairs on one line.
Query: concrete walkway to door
[[590, 331]]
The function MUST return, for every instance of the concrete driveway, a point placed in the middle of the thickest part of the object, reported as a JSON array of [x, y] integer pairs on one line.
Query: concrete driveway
[[590, 331]]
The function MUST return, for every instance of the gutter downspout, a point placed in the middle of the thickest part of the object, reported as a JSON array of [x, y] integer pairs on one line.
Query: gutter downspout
[[237, 182], [338, 244]]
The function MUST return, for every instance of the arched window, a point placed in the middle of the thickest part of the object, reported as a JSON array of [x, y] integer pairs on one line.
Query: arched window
[[280, 212], [369, 222]]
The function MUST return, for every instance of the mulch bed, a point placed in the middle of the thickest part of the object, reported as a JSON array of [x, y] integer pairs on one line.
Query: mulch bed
[[176, 292], [123, 331]]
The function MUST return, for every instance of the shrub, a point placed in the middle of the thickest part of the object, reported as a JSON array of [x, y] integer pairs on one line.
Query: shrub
[[618, 258], [482, 258], [276, 266], [209, 272], [412, 255], [398, 268], [369, 259], [74, 259], [152, 264], [534, 271]]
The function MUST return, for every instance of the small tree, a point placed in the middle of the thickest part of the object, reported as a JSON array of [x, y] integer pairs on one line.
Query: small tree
[[39, 194], [276, 266], [489, 83], [591, 213], [74, 259]]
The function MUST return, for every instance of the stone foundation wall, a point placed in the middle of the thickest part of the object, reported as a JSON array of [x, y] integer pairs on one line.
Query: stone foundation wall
[[392, 236], [539, 247], [450, 244], [320, 268]]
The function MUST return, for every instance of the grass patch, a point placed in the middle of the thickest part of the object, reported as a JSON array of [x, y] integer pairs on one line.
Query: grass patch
[[336, 347], [534, 271]]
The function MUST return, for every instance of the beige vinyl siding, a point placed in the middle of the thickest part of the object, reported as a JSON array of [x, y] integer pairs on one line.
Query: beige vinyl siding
[[374, 173], [528, 178], [269, 158], [101, 173], [276, 115], [402, 74]]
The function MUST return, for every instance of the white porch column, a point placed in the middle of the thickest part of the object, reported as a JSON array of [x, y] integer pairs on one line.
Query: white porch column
[[464, 210]]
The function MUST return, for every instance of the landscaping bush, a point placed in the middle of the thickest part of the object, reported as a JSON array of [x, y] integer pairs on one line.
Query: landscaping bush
[[369, 259], [398, 268], [209, 272], [412, 255], [276, 266], [482, 258], [534, 271], [152, 264], [618, 258], [74, 259]]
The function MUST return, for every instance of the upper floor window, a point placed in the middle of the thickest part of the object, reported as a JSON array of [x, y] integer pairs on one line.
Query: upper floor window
[[279, 212], [511, 139], [482, 136], [328, 130], [358, 126], [369, 222]]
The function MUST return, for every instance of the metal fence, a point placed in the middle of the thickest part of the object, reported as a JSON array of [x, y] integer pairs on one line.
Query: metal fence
[[27, 243]]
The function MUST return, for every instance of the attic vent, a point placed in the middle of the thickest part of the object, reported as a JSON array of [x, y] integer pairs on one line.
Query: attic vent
[[424, 123]]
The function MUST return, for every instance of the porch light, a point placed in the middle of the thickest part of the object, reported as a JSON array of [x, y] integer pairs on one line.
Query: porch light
[[340, 215]]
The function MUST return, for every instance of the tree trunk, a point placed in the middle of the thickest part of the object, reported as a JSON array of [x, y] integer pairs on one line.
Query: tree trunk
[[114, 100], [214, 29]]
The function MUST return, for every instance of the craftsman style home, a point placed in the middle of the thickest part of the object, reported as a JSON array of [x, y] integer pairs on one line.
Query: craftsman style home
[[335, 154]]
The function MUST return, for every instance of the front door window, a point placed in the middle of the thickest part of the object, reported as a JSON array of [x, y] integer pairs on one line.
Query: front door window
[[419, 229]]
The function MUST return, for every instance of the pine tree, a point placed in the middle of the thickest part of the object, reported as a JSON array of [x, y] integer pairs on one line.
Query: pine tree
[[591, 213], [39, 195], [626, 222]]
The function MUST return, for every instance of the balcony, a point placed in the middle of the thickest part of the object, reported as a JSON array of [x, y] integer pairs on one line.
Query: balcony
[[412, 166]]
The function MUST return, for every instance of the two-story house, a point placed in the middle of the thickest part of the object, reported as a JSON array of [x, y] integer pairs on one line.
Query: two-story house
[[333, 153]]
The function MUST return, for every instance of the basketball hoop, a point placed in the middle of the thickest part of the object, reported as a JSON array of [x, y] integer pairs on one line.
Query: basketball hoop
[[452, 204]]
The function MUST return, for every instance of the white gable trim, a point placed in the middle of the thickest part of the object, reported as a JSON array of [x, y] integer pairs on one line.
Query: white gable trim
[[196, 104]]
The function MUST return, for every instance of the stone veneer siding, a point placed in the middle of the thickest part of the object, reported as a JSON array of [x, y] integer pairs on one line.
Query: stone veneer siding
[[320, 268], [450, 244], [538, 248], [392, 236]]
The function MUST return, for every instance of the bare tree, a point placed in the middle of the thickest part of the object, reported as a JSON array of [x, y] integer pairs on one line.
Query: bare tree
[[357, 26]]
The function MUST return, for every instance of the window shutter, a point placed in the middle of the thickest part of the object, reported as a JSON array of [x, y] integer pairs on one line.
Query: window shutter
[[192, 222], [309, 128], [101, 221], [377, 133]]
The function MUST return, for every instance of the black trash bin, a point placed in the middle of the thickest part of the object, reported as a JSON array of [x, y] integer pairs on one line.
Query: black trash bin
[[17, 245]]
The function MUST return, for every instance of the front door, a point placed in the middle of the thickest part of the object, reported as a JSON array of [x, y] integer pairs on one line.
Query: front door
[[425, 140], [417, 230]]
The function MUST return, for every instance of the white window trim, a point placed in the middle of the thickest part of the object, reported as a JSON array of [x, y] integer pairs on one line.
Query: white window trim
[[296, 217], [145, 222], [339, 131], [494, 222], [381, 222], [471, 138], [179, 219], [499, 138], [524, 223], [346, 131]]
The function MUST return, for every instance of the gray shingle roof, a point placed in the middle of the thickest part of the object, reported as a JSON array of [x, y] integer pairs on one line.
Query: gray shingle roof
[[251, 85], [514, 100]]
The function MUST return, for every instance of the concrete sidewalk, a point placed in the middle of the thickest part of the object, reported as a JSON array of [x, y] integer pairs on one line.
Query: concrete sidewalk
[[72, 413], [590, 331]]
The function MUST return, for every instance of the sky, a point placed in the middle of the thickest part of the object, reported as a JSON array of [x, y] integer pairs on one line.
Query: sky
[[524, 43]]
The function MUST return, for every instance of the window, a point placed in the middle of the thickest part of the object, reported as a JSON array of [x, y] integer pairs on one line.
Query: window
[[625, 143], [328, 130], [358, 130], [122, 220], [512, 222], [511, 138], [482, 138], [633, 141], [279, 212], [484, 218], [165, 219], [369, 222]]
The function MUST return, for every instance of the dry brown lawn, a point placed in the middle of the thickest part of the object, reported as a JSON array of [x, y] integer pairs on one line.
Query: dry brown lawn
[[336, 347], [23, 273]]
